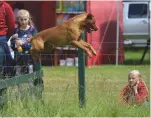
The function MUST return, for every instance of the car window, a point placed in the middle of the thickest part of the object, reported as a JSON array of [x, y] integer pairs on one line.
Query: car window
[[138, 11]]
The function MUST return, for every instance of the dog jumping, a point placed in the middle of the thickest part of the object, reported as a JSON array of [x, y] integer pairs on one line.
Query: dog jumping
[[67, 33]]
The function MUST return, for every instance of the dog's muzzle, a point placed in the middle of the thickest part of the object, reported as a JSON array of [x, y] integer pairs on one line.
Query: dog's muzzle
[[91, 28]]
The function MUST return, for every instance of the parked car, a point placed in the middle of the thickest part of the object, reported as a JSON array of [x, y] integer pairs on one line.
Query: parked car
[[136, 21]]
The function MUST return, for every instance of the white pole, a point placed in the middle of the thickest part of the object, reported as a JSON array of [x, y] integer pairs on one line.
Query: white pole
[[117, 30], [149, 19]]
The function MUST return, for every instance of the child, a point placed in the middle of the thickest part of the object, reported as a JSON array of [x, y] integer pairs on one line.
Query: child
[[24, 31], [135, 92]]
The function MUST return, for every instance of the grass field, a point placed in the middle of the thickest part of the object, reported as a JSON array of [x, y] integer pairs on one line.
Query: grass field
[[103, 86]]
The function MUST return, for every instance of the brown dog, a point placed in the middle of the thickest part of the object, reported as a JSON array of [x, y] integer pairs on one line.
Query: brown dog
[[67, 33]]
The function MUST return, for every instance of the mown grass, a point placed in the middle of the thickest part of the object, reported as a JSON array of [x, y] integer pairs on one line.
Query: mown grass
[[103, 87]]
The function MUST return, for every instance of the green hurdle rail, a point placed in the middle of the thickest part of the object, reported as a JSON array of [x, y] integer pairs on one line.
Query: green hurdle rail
[[20, 79], [36, 76]]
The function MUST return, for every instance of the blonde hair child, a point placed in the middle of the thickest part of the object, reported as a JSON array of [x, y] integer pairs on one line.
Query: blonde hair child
[[24, 22]]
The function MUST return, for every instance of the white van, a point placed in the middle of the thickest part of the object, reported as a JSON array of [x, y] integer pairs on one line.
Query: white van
[[136, 19]]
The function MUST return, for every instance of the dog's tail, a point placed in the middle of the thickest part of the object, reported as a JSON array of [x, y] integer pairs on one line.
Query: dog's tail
[[30, 40]]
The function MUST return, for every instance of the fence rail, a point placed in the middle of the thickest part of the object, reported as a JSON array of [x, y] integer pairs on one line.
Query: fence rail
[[20, 79]]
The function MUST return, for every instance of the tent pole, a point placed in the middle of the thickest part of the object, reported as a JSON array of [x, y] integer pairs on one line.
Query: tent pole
[[117, 31]]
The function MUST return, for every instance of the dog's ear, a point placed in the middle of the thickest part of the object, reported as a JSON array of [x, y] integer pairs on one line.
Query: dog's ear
[[89, 16]]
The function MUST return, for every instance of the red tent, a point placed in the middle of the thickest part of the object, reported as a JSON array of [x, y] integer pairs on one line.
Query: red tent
[[104, 40]]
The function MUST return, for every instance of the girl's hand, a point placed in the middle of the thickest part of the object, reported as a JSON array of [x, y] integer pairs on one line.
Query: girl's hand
[[15, 36], [135, 87], [19, 43]]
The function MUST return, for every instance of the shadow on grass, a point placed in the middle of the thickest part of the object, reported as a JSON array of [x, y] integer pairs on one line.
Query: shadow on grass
[[133, 56], [136, 62]]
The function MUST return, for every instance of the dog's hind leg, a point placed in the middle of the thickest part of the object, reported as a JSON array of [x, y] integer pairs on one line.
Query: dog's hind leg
[[87, 45], [37, 44], [35, 55], [79, 45], [37, 47]]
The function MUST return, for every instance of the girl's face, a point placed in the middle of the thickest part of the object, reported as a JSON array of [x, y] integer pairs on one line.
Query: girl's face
[[133, 79], [23, 21]]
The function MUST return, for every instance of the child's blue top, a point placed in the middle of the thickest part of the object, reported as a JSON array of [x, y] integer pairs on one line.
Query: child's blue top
[[24, 36]]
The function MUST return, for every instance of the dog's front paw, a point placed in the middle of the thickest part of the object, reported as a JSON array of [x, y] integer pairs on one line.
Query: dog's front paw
[[89, 54], [94, 53]]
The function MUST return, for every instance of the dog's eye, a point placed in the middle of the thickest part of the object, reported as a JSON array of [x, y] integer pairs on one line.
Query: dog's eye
[[89, 16]]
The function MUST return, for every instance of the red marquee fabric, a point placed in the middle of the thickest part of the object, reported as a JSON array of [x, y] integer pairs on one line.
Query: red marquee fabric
[[104, 40]]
